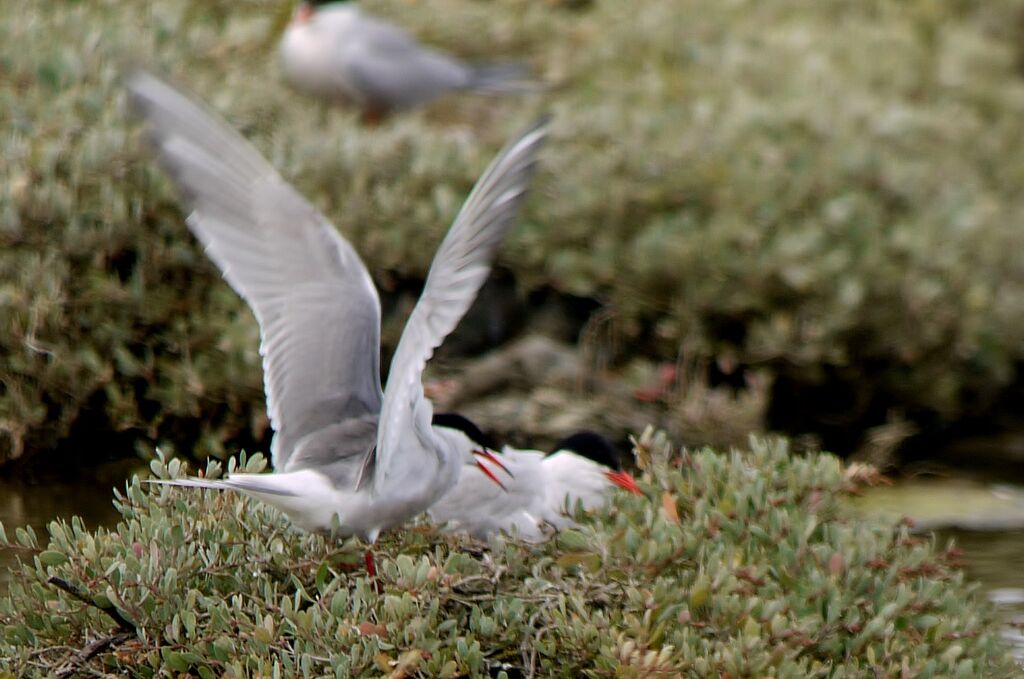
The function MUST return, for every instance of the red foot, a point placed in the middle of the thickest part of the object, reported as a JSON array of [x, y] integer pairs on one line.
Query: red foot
[[371, 566], [373, 116], [371, 570]]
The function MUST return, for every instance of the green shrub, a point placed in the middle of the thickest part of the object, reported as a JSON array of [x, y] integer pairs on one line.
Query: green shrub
[[744, 565], [828, 192]]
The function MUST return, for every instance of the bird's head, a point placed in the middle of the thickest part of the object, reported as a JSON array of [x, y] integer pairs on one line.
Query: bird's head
[[466, 426], [307, 8], [599, 451], [478, 452]]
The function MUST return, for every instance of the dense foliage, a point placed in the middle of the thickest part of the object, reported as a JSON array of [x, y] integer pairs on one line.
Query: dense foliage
[[828, 192], [740, 565]]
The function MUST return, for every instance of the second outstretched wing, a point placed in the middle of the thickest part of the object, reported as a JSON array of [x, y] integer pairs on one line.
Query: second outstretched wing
[[460, 267]]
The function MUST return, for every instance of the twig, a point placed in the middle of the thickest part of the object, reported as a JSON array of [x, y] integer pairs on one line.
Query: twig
[[469, 601], [528, 650], [91, 651], [123, 623], [461, 584], [294, 654], [49, 649], [20, 548], [533, 651]]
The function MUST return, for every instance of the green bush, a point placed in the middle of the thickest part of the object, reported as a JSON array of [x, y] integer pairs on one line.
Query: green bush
[[828, 192], [744, 565]]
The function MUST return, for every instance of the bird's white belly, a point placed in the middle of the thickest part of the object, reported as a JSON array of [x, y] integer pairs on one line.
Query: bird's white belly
[[315, 64]]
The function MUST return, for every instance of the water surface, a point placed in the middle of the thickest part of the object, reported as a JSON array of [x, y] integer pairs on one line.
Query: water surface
[[984, 518], [995, 559], [37, 500]]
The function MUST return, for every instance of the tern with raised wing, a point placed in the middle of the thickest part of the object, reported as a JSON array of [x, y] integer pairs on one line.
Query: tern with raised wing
[[537, 490], [337, 52], [348, 457]]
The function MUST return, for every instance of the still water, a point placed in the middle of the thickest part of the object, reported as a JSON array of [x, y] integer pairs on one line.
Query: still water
[[37, 501], [984, 518], [994, 559], [985, 521]]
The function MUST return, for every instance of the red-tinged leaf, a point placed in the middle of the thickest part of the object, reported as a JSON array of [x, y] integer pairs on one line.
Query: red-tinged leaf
[[369, 629], [668, 503], [835, 564], [648, 394]]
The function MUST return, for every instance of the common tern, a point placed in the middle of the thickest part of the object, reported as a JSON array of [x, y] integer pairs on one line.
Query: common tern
[[337, 52], [348, 458], [538, 490]]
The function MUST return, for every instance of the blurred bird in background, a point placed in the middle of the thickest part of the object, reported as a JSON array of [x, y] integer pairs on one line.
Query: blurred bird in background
[[337, 52]]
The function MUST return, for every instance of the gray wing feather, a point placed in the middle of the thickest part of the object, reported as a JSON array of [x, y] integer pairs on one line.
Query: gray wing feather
[[393, 70], [391, 79], [315, 302], [460, 267]]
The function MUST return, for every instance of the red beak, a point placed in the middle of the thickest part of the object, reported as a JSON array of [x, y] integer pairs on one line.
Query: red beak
[[491, 457], [487, 472], [304, 13], [624, 480]]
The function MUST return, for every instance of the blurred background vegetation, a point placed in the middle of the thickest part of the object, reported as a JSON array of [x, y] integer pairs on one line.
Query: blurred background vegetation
[[815, 203]]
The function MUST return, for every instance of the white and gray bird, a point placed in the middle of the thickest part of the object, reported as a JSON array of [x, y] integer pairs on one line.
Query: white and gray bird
[[348, 457], [537, 490], [337, 52]]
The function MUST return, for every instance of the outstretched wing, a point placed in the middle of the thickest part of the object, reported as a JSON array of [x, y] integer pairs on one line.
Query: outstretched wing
[[460, 267], [315, 302]]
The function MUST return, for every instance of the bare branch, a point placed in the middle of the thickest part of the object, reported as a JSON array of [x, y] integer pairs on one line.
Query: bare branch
[[123, 623]]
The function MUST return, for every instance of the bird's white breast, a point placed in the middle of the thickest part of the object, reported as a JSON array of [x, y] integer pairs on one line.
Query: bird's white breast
[[314, 53], [570, 479], [482, 508]]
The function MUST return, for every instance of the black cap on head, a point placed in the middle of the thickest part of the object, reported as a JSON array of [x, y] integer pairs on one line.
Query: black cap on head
[[322, 3], [463, 424], [592, 446]]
